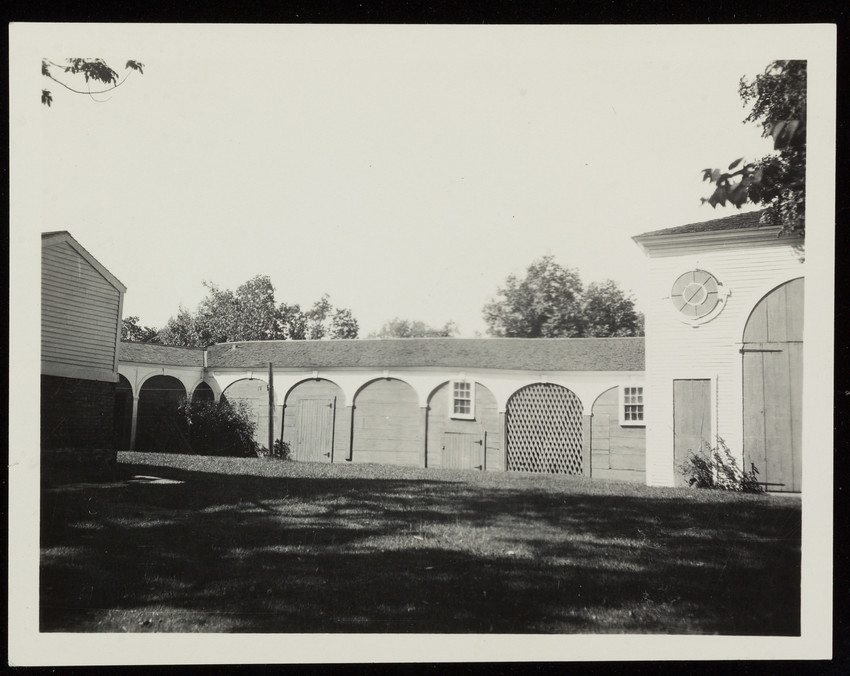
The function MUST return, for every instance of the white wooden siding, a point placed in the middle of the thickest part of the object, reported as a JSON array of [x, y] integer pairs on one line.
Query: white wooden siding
[[711, 350], [79, 311]]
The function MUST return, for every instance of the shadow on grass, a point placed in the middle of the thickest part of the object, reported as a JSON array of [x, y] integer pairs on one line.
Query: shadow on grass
[[256, 554]]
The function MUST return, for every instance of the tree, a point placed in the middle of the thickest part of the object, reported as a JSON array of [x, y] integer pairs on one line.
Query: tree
[[344, 325], [403, 328], [251, 313], [132, 331], [90, 69], [776, 181], [550, 302], [546, 303], [182, 330], [608, 311], [318, 318]]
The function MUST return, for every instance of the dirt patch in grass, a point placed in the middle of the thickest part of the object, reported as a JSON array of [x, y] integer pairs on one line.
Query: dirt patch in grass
[[257, 545]]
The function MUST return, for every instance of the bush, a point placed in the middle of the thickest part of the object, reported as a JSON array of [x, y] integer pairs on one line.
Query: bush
[[281, 450], [220, 428], [717, 468]]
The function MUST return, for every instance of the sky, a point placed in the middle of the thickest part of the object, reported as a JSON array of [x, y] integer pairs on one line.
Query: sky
[[404, 171]]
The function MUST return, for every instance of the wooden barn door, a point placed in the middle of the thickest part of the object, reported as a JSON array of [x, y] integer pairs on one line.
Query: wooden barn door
[[315, 430], [691, 419], [463, 451], [773, 388], [544, 430]]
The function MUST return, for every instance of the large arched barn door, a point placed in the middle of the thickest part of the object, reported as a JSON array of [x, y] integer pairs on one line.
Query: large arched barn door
[[386, 424], [254, 394], [544, 430], [159, 425], [773, 388]]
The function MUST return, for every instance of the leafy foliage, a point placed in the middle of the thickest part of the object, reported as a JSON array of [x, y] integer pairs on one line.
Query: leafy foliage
[[344, 325], [608, 311], [717, 468], [90, 69], [131, 330], [778, 181], [281, 450], [223, 428], [404, 328], [252, 313], [551, 302]]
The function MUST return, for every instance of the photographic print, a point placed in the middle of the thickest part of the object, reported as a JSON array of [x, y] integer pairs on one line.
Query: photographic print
[[514, 337]]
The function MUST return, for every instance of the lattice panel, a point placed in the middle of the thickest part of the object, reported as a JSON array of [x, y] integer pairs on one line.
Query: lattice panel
[[544, 430]]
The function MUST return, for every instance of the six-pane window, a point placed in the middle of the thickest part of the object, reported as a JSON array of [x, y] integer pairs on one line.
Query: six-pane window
[[462, 399], [633, 404]]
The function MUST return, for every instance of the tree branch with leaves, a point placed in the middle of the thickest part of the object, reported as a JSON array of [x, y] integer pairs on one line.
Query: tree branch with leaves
[[92, 70], [776, 181]]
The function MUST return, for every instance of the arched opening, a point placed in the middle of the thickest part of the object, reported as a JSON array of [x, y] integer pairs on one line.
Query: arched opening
[[203, 394], [122, 414], [617, 450], [544, 430], [773, 388], [469, 441], [159, 426], [386, 424], [254, 393], [314, 424]]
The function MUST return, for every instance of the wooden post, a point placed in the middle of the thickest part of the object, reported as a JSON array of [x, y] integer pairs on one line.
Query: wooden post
[[423, 436], [134, 422], [503, 425], [271, 409], [586, 445]]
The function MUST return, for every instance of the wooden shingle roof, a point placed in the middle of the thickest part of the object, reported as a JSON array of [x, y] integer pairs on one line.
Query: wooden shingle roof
[[750, 219], [531, 354], [165, 355]]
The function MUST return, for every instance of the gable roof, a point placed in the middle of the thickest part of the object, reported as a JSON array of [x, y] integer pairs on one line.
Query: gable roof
[[527, 354], [165, 355], [750, 219], [59, 236]]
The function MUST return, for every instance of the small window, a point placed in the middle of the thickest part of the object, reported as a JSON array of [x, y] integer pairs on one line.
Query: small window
[[631, 405], [463, 400]]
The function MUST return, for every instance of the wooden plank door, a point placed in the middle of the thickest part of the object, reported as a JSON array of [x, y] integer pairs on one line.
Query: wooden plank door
[[773, 388], [314, 430], [463, 451], [691, 420]]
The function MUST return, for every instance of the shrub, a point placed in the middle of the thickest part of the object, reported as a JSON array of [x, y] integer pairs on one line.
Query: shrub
[[717, 468], [281, 450], [220, 428]]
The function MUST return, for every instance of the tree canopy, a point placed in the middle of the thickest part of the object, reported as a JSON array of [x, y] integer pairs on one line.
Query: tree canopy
[[777, 181], [96, 70], [550, 302], [131, 330], [250, 312], [404, 328]]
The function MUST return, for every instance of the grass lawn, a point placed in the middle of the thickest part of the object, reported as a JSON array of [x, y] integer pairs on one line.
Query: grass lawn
[[256, 545]]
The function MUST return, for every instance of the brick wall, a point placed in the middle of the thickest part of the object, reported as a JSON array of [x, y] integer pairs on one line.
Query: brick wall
[[76, 413]]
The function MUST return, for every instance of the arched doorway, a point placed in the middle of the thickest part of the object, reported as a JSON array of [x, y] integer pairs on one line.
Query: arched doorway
[[159, 426], [457, 441], [314, 423], [203, 393], [254, 393], [773, 388], [122, 414], [386, 424], [617, 450], [544, 430]]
